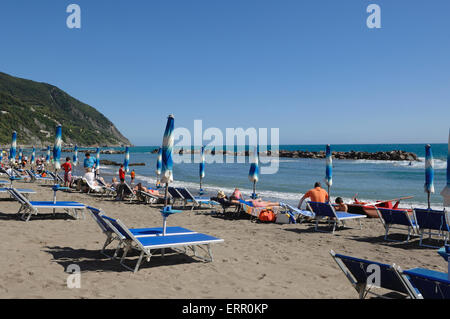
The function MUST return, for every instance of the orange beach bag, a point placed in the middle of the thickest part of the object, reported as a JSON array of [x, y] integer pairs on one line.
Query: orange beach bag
[[267, 215]]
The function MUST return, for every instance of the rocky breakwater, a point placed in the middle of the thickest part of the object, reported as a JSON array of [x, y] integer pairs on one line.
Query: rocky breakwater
[[112, 163], [396, 155]]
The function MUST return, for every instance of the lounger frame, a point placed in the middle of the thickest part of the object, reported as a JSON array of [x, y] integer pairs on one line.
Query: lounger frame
[[388, 226], [131, 242], [27, 208], [333, 217], [442, 231], [363, 288]]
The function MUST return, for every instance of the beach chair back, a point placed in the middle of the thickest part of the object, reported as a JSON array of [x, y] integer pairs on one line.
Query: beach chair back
[[361, 271], [185, 193], [19, 196], [395, 217], [122, 231], [128, 189], [432, 219], [175, 193], [322, 209], [97, 216], [431, 284]]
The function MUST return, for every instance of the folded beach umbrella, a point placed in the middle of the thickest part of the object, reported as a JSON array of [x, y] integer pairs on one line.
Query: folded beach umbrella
[[167, 149], [126, 162], [75, 156], [20, 155], [47, 158], [328, 169], [57, 147], [1, 156], [158, 167], [429, 172], [33, 156], [97, 161], [202, 168], [12, 150], [253, 174], [446, 191]]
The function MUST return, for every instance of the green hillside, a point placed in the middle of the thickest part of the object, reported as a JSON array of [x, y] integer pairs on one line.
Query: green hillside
[[33, 109]]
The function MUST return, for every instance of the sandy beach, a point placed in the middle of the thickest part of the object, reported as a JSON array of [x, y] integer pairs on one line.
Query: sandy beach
[[256, 260]]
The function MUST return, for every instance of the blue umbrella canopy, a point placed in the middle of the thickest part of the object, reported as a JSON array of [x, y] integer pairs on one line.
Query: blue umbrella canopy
[[75, 156], [253, 174], [97, 159], [47, 158], [33, 156], [12, 150], [329, 167], [167, 149], [158, 166], [429, 172], [126, 162], [57, 147], [446, 191]]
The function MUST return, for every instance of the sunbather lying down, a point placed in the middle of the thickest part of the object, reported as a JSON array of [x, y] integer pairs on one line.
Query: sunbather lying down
[[140, 187], [262, 203], [237, 195]]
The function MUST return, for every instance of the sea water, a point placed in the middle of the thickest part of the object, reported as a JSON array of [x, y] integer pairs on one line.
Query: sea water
[[366, 179]]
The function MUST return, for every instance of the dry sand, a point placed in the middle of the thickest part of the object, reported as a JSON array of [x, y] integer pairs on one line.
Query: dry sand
[[256, 260]]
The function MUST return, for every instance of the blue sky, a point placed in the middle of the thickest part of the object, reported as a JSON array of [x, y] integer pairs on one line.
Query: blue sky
[[311, 68]]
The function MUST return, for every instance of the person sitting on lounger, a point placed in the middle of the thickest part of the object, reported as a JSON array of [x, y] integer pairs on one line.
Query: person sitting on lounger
[[140, 187], [236, 196], [317, 194], [341, 206], [89, 176], [114, 183]]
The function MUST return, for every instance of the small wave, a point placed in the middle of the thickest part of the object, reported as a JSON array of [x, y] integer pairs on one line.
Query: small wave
[[438, 163]]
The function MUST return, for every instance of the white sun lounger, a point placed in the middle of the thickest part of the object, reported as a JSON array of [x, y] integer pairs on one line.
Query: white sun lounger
[[32, 207], [147, 244]]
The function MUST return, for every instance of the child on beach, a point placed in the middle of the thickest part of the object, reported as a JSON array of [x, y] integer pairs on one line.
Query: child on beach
[[67, 166], [341, 206], [132, 175]]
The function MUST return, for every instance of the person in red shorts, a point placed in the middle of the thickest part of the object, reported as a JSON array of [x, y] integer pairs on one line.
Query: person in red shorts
[[67, 166], [121, 174]]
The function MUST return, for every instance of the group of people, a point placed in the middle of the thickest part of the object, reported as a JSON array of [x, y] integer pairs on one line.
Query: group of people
[[316, 194]]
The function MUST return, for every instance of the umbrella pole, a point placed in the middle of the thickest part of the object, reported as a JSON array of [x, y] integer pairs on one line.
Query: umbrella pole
[[428, 195], [254, 190], [329, 199], [166, 198]]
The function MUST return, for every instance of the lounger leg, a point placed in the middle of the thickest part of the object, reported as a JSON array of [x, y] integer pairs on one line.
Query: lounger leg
[[361, 288], [139, 262], [421, 237], [125, 252], [334, 227], [210, 253]]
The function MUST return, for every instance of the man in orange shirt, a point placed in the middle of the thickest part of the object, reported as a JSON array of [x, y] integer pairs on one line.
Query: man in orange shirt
[[317, 194]]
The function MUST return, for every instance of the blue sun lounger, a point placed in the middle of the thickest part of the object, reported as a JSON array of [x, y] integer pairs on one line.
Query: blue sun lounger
[[428, 220], [24, 191], [426, 283], [32, 207], [176, 195], [366, 275], [196, 200], [326, 210], [147, 244], [36, 177], [97, 215], [392, 218]]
